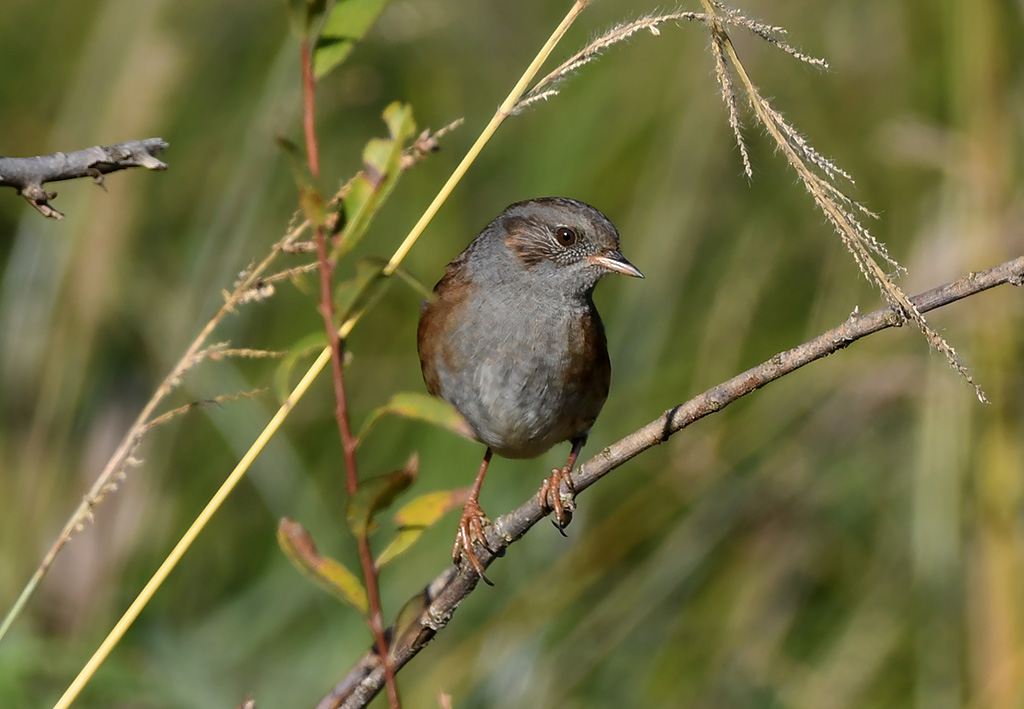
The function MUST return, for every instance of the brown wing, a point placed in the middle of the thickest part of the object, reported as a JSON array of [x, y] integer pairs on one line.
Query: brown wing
[[437, 320], [589, 371]]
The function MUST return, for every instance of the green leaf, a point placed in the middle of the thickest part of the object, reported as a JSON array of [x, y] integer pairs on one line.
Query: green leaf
[[313, 205], [418, 286], [398, 117], [330, 575], [416, 516], [382, 162], [420, 407], [427, 509], [377, 493], [407, 617], [311, 199], [348, 22], [313, 342], [398, 546], [360, 194]]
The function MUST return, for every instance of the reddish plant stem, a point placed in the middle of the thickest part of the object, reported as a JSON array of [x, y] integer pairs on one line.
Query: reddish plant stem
[[348, 441], [308, 114]]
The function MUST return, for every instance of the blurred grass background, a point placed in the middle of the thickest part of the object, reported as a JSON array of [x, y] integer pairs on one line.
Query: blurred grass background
[[851, 536]]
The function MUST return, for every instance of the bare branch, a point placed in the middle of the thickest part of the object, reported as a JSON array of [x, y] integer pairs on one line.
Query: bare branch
[[431, 610], [27, 175]]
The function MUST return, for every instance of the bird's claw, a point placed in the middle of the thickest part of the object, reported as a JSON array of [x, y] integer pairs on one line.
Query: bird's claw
[[471, 530], [561, 506]]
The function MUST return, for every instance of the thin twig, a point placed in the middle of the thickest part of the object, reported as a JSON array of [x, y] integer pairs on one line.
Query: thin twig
[[441, 598], [169, 416], [28, 175]]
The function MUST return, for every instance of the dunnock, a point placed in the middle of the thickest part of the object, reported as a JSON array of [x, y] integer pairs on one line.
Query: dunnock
[[513, 341]]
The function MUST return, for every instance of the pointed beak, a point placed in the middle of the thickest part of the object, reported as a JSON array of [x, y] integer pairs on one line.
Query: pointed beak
[[614, 261]]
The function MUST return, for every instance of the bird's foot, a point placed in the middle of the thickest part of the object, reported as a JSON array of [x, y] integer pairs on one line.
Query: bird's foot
[[561, 506], [471, 530]]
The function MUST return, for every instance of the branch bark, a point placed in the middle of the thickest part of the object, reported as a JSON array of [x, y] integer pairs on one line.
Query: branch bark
[[27, 175], [428, 612]]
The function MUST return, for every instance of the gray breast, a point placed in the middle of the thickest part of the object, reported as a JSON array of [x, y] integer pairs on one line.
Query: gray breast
[[514, 390]]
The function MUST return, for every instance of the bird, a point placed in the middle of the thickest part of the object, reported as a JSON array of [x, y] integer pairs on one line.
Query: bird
[[511, 338]]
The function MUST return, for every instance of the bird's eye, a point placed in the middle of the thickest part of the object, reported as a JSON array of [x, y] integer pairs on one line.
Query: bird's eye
[[565, 236]]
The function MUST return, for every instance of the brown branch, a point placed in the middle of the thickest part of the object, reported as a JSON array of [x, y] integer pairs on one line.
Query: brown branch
[[437, 603], [27, 175]]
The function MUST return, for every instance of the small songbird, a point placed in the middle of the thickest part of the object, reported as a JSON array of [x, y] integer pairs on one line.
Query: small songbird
[[513, 341]]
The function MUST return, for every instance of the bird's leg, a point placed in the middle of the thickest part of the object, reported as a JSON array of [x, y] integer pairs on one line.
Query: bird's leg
[[471, 526], [553, 487]]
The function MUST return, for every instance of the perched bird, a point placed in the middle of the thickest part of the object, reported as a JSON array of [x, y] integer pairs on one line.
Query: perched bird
[[513, 341]]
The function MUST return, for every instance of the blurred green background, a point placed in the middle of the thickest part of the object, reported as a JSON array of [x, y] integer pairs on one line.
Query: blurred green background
[[848, 537]]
